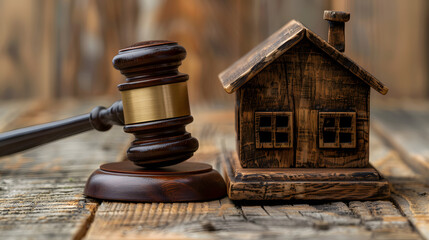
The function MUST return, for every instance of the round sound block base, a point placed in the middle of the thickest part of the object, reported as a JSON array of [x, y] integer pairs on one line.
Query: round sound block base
[[184, 182]]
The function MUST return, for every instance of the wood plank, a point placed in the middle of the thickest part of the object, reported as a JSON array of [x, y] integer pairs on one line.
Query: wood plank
[[387, 160], [224, 219], [262, 55], [413, 198], [410, 191], [300, 174], [307, 190], [407, 131], [41, 189], [47, 202]]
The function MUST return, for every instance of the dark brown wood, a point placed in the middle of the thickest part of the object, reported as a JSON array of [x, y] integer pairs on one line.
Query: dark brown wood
[[340, 126], [161, 142], [273, 129], [300, 174], [100, 119], [304, 82], [336, 34], [184, 182], [149, 60], [275, 46], [303, 184]]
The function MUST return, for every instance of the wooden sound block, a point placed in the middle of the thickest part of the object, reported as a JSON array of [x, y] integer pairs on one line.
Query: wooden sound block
[[303, 183], [184, 182]]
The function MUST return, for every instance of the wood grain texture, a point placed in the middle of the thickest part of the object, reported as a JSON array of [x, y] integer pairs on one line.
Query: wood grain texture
[[222, 219], [306, 82], [412, 198], [40, 196], [41, 189], [293, 185], [261, 56], [279, 43], [183, 182], [408, 177], [61, 49], [336, 34], [347, 63], [393, 123], [225, 219], [299, 174]]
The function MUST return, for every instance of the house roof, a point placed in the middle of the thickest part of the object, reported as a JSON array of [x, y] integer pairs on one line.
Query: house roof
[[273, 47]]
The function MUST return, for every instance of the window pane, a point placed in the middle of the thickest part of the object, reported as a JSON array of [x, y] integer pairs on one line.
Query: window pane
[[265, 121], [329, 122], [282, 137], [337, 129], [265, 137], [345, 122], [282, 121], [328, 137], [345, 137]]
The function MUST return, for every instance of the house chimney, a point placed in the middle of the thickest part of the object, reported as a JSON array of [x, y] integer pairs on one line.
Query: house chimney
[[336, 35]]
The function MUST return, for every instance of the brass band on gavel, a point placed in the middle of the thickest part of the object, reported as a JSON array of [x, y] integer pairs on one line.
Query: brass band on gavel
[[155, 102]]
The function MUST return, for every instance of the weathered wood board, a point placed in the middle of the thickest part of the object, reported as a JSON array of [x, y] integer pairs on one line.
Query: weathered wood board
[[41, 189], [405, 127], [224, 219], [399, 132], [302, 183], [41, 194]]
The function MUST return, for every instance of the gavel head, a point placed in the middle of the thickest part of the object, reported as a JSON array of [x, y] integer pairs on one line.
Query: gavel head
[[155, 103]]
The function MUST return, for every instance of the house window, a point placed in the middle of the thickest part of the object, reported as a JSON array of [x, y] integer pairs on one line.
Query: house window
[[337, 129], [273, 129]]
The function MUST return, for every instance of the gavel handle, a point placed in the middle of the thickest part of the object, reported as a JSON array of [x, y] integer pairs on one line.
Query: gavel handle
[[100, 119]]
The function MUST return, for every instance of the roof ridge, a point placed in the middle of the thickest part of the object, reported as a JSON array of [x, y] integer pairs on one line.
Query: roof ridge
[[346, 62], [278, 43]]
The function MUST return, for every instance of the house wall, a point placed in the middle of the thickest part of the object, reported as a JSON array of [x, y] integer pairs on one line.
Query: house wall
[[304, 81]]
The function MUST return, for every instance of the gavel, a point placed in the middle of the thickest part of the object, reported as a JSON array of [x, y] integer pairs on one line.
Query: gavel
[[155, 109]]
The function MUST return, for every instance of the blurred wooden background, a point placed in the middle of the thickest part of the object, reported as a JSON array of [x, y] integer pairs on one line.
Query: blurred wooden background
[[59, 49]]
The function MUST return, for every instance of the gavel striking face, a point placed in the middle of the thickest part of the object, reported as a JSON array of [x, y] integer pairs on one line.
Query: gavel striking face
[[155, 103]]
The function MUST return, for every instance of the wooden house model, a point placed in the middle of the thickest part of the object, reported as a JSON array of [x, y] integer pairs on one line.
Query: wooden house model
[[302, 119]]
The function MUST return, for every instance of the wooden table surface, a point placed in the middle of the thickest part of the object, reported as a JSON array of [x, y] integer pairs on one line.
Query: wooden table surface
[[41, 189]]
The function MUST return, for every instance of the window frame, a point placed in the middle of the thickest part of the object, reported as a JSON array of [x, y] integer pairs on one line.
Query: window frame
[[273, 129], [337, 129]]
